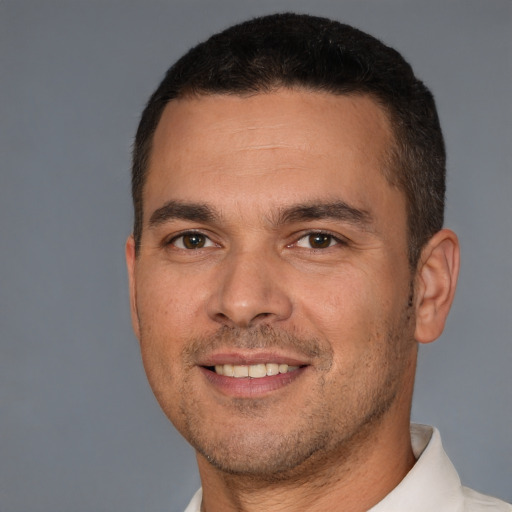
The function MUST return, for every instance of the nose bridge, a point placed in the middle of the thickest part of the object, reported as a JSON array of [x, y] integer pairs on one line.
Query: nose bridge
[[249, 290]]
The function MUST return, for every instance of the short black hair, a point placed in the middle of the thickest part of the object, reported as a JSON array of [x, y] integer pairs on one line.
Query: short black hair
[[300, 51]]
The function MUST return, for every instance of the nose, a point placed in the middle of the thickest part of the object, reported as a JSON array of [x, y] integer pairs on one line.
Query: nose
[[249, 292]]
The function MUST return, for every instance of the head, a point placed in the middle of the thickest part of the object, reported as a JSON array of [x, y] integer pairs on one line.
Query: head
[[286, 257], [315, 54]]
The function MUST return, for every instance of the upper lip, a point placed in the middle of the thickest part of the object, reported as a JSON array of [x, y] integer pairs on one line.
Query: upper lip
[[247, 358]]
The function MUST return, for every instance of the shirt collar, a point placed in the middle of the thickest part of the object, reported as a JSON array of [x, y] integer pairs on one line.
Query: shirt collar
[[431, 484]]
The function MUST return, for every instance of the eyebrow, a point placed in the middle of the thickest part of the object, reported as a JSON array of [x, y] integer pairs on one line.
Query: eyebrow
[[303, 212], [173, 210], [335, 210]]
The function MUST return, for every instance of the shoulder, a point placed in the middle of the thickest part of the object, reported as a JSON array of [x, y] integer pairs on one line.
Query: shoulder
[[476, 502]]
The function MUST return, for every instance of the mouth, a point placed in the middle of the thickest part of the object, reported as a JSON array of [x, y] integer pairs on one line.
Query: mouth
[[252, 371], [251, 375]]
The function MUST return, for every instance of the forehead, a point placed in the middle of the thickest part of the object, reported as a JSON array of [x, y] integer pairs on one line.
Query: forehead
[[229, 149]]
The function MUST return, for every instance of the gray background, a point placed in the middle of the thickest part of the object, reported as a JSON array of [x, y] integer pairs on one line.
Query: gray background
[[80, 429]]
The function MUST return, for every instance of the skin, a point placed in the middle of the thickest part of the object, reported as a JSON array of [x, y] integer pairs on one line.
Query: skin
[[233, 175]]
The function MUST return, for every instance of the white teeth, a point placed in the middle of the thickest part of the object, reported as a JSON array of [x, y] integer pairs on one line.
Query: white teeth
[[255, 371], [227, 370], [240, 371], [272, 368]]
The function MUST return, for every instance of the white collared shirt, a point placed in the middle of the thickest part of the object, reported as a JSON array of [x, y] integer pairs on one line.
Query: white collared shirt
[[432, 485]]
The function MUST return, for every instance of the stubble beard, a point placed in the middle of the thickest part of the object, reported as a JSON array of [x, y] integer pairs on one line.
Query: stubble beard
[[333, 423]]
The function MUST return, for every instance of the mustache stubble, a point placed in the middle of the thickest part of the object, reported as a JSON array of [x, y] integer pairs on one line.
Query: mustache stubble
[[263, 337]]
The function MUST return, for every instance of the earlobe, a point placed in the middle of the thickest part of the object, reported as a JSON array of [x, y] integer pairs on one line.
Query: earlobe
[[436, 281], [130, 264]]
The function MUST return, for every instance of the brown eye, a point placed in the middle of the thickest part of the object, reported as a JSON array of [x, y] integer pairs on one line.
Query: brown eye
[[320, 240], [192, 241]]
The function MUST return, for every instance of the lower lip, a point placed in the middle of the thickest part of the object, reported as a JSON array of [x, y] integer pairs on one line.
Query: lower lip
[[247, 387]]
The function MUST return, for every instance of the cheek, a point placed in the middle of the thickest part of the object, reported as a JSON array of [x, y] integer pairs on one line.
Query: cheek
[[336, 301], [169, 306], [167, 318], [353, 309]]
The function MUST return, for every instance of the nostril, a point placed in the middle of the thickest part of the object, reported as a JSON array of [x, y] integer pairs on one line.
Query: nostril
[[243, 322], [261, 316]]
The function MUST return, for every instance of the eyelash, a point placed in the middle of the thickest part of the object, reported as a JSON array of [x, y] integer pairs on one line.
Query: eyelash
[[207, 239], [331, 239]]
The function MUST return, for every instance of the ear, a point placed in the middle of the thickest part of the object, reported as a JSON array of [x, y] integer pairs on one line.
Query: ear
[[436, 281], [130, 264]]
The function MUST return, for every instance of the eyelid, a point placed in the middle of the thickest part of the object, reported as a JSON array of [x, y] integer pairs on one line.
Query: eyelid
[[337, 238], [177, 236], [171, 241]]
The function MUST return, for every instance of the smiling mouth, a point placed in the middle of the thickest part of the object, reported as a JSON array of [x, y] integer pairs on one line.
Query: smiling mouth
[[253, 371]]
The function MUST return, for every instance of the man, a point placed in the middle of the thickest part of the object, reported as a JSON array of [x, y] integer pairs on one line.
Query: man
[[288, 256]]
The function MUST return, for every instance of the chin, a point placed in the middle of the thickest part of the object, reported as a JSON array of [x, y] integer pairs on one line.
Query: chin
[[272, 458]]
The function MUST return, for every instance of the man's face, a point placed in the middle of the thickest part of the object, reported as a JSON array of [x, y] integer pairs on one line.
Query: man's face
[[273, 243]]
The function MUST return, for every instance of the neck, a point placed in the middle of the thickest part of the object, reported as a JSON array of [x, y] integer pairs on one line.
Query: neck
[[354, 478]]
